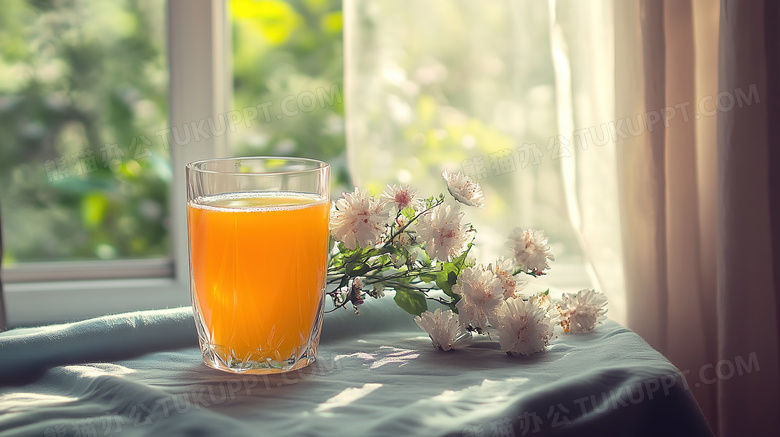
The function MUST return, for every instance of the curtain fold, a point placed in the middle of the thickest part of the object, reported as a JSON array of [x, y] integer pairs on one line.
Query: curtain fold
[[639, 84], [689, 342], [747, 143], [705, 57]]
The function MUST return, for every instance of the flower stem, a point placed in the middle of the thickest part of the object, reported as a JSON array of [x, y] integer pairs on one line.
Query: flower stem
[[403, 228]]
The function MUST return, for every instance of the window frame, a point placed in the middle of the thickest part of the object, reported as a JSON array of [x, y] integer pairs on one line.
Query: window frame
[[199, 43]]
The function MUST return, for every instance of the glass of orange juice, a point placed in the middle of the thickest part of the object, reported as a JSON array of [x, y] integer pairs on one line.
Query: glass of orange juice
[[258, 241]]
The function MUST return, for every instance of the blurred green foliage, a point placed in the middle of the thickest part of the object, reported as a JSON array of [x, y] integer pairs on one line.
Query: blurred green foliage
[[284, 53], [80, 81], [83, 96]]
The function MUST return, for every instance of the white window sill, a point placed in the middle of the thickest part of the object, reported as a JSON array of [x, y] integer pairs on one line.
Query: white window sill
[[40, 303]]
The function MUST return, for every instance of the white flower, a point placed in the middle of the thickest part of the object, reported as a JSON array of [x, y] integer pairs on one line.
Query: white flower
[[523, 327], [463, 189], [358, 220], [443, 329], [379, 290], [401, 196], [530, 249], [542, 300], [444, 236], [481, 294], [503, 269], [582, 311]]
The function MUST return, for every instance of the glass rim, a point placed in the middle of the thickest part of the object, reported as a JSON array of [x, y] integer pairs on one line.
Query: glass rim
[[320, 165]]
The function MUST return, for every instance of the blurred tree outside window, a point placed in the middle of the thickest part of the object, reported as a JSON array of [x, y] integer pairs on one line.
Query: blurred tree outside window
[[288, 62], [83, 93]]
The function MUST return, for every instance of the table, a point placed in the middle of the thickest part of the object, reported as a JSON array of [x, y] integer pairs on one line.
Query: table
[[377, 374]]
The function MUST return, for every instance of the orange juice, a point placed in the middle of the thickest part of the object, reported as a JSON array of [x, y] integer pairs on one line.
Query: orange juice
[[258, 264]]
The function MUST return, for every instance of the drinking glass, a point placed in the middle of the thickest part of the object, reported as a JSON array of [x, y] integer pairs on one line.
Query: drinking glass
[[258, 244]]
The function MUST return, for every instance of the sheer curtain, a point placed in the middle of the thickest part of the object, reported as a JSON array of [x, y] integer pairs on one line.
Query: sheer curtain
[[471, 87], [665, 122]]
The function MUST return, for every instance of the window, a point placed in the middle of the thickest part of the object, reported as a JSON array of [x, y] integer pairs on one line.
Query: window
[[256, 77], [127, 99]]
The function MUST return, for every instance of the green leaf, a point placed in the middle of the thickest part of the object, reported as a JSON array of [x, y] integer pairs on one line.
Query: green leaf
[[460, 261], [406, 280], [382, 260], [385, 250], [337, 261], [356, 269], [446, 278], [452, 278], [428, 277], [422, 256], [409, 212], [371, 252], [352, 255], [411, 301]]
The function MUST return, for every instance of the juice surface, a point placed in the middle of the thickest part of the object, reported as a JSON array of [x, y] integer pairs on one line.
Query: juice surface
[[258, 266]]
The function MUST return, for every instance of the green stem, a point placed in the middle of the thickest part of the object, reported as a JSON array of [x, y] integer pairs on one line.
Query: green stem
[[403, 228], [440, 300], [468, 249]]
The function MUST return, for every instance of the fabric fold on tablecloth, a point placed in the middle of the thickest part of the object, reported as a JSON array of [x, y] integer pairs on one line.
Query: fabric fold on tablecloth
[[141, 374], [28, 351]]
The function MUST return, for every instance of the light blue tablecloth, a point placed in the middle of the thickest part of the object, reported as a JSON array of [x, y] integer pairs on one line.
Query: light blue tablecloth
[[377, 374]]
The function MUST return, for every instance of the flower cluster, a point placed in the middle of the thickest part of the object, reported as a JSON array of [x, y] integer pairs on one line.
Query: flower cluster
[[443, 328], [480, 296], [530, 250], [524, 327], [582, 311], [415, 245], [358, 220]]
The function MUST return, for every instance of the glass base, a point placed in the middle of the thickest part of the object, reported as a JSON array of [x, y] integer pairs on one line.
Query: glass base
[[265, 361], [258, 362], [257, 367]]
